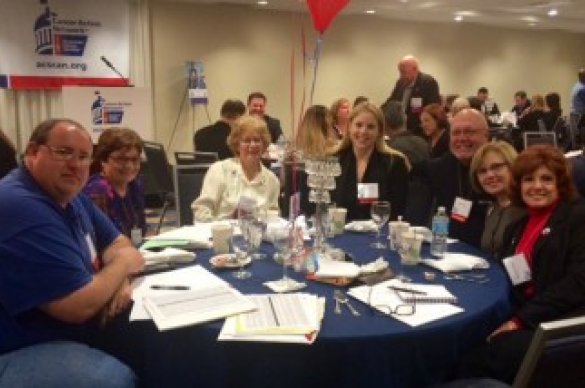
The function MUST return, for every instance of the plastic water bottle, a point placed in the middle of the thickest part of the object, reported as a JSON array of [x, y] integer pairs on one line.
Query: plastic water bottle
[[440, 233]]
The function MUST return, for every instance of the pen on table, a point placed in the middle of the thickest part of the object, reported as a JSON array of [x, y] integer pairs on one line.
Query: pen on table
[[407, 290], [169, 287]]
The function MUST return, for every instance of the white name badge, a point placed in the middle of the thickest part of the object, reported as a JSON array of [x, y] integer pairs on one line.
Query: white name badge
[[461, 209], [92, 251], [136, 236], [416, 102], [518, 269], [367, 192]]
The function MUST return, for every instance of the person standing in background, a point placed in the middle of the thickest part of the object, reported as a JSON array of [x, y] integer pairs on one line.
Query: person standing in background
[[257, 107], [7, 155], [414, 90], [578, 108]]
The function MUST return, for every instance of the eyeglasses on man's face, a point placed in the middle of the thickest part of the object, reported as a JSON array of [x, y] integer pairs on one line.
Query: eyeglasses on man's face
[[467, 132], [66, 154]]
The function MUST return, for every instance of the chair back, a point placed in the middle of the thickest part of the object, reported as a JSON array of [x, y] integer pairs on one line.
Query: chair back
[[534, 138], [197, 157], [553, 354], [156, 170], [188, 184]]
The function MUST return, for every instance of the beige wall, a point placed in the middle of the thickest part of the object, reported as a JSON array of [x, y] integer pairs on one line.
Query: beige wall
[[246, 49]]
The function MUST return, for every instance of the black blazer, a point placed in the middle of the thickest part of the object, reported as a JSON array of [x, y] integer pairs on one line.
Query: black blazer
[[425, 87], [273, 127], [558, 266], [389, 171]]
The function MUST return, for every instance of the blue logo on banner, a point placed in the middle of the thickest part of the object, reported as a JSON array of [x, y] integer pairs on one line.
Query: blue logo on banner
[[59, 37], [103, 113]]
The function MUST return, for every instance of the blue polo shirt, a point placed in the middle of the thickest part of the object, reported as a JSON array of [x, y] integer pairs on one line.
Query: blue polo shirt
[[45, 254]]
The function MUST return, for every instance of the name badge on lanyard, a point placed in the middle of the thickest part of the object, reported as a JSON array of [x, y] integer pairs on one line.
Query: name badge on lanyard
[[518, 269], [461, 209], [367, 193], [92, 252]]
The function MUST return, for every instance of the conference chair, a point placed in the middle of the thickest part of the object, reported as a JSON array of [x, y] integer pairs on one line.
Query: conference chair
[[188, 183], [534, 138], [197, 157], [554, 356], [158, 182]]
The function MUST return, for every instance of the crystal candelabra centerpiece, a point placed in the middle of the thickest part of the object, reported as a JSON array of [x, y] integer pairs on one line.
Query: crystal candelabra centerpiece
[[321, 173]]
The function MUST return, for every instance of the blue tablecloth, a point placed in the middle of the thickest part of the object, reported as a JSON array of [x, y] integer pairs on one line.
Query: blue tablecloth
[[367, 351]]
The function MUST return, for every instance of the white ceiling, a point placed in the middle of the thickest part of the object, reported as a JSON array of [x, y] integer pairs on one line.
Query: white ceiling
[[529, 14]]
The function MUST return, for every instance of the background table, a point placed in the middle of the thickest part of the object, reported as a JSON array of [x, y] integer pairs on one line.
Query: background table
[[368, 351]]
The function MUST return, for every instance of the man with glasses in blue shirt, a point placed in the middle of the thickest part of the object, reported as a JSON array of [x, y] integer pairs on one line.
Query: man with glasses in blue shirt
[[64, 267]]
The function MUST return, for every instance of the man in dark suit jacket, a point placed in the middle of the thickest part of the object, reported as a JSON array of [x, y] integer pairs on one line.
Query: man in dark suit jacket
[[414, 90], [257, 107], [213, 138]]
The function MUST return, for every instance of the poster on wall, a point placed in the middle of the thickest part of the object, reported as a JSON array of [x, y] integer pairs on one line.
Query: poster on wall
[[100, 108], [46, 44]]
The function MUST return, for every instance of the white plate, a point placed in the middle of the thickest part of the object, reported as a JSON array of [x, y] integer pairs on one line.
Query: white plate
[[227, 261]]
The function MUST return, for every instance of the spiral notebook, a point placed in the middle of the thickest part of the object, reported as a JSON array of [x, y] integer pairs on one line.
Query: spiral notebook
[[424, 293]]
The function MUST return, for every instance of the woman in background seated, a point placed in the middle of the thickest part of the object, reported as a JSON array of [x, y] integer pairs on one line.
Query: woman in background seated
[[435, 125], [549, 242], [116, 189], [340, 110], [7, 155], [532, 119], [243, 176], [370, 170], [490, 172]]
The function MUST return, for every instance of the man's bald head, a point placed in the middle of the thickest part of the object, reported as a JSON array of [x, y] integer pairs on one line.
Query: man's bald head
[[469, 131], [408, 68]]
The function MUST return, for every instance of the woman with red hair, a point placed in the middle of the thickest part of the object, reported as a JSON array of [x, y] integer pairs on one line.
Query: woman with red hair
[[549, 245]]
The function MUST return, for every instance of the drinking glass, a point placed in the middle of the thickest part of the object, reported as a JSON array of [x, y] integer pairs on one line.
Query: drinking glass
[[380, 212], [281, 239], [256, 231], [241, 250]]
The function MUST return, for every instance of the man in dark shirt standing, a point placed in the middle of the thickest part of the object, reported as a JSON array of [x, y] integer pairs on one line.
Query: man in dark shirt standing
[[213, 138], [257, 107], [414, 90]]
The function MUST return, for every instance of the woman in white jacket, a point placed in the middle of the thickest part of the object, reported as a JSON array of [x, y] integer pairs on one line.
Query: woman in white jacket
[[241, 178]]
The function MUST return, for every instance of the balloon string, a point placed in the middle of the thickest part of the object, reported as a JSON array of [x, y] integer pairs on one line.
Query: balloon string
[[316, 55]]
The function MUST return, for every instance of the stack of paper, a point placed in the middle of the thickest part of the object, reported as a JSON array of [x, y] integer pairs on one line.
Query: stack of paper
[[290, 318], [194, 236], [185, 296], [386, 300]]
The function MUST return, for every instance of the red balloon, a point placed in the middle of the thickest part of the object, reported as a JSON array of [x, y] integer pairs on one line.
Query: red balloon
[[324, 11]]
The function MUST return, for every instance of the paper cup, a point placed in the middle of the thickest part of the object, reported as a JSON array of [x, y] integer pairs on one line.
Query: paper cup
[[338, 216], [411, 245], [221, 235]]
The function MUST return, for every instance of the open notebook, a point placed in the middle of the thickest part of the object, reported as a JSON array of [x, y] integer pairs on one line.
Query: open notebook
[[424, 293]]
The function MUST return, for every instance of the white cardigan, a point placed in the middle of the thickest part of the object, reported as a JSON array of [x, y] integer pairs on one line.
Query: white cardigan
[[224, 184]]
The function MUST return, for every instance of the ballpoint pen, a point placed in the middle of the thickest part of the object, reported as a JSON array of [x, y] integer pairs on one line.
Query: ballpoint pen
[[407, 290], [169, 287]]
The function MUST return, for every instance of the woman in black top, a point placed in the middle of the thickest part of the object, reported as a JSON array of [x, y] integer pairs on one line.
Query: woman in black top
[[370, 170]]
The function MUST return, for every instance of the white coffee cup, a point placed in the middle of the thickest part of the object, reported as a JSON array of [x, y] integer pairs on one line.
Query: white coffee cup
[[412, 243], [221, 234], [337, 216]]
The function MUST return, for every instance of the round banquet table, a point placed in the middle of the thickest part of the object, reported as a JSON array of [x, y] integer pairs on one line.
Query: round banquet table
[[366, 351]]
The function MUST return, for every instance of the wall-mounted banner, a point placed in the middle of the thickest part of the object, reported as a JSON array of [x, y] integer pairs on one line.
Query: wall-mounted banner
[[46, 44], [196, 83], [100, 108]]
